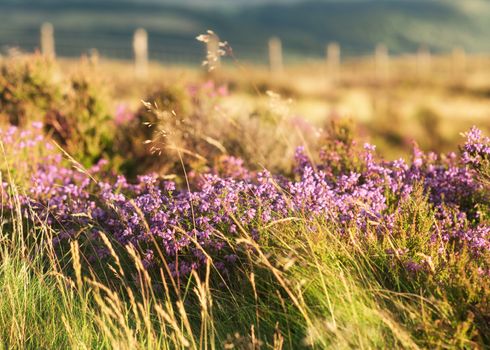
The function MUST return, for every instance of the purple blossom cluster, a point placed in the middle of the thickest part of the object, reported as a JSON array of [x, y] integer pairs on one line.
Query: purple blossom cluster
[[476, 149], [190, 225]]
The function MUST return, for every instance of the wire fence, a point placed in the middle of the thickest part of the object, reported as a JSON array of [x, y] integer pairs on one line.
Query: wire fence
[[165, 48], [173, 48]]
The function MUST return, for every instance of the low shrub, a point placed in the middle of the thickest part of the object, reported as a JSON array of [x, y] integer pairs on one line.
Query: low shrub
[[74, 109]]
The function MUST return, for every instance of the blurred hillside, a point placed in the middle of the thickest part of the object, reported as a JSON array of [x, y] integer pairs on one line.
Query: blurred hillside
[[304, 27]]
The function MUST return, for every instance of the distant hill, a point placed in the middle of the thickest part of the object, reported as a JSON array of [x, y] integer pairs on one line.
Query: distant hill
[[303, 26]]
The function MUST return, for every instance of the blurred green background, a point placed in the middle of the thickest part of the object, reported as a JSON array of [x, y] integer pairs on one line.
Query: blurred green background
[[304, 26]]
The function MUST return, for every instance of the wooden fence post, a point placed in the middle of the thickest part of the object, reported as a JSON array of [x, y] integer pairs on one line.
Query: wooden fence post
[[140, 48], [333, 61], [94, 56], [424, 60], [459, 61], [47, 41], [275, 55], [382, 59]]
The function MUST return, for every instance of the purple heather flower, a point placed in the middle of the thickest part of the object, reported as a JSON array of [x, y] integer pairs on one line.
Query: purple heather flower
[[184, 222]]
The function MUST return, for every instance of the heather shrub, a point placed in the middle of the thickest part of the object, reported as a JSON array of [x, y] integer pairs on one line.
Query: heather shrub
[[367, 198], [388, 130], [269, 135], [74, 109], [28, 89], [193, 130], [430, 125], [394, 248], [339, 149], [170, 123], [81, 123], [29, 145], [476, 154]]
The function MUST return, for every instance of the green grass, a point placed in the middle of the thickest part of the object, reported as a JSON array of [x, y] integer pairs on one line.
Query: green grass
[[37, 311], [297, 290]]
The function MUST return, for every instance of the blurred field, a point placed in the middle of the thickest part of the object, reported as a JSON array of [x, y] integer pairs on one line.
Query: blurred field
[[392, 106], [304, 26]]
